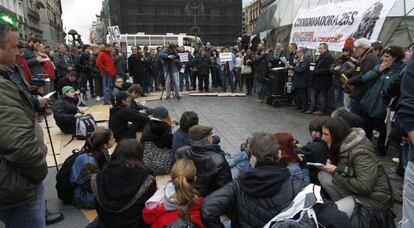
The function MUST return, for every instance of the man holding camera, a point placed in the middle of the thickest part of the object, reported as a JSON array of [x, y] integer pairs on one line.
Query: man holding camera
[[171, 68]]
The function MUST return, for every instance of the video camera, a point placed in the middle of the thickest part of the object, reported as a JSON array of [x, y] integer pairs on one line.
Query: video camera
[[39, 80]]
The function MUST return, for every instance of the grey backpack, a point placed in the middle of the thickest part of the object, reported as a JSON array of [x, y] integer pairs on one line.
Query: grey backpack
[[85, 125]]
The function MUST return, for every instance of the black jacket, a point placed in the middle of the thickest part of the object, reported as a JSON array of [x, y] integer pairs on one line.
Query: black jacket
[[322, 77], [119, 117], [136, 68], [203, 64], [336, 79], [260, 67], [31, 58], [64, 111], [62, 63], [301, 74], [316, 152], [114, 189], [65, 82], [252, 199], [159, 133], [213, 171]]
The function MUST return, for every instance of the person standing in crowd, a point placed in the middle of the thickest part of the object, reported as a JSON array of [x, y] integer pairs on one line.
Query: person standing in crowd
[[69, 80], [180, 198], [213, 170], [154, 70], [293, 48], [65, 110], [122, 189], [227, 72], [107, 70], [257, 195], [203, 63], [94, 159], [120, 62], [185, 70], [215, 69], [84, 69], [348, 69], [171, 68], [322, 80], [367, 60], [376, 100], [255, 42], [275, 55], [301, 70], [63, 62], [260, 72], [248, 61], [377, 48], [48, 69], [136, 66], [97, 79], [405, 116], [237, 71], [124, 121], [337, 70], [353, 176], [22, 149], [32, 59]]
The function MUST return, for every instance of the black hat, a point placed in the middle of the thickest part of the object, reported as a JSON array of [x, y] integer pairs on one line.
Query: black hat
[[199, 132]]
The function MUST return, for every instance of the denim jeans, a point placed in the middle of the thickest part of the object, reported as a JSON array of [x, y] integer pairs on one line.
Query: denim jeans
[[108, 86], [30, 214], [339, 97], [184, 80], [239, 163], [408, 196], [227, 78], [176, 85]]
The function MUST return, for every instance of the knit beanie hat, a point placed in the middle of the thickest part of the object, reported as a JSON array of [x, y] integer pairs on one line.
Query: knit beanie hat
[[160, 112], [67, 89]]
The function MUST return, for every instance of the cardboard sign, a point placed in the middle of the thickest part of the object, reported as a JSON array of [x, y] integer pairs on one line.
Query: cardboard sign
[[226, 57], [183, 57], [114, 34]]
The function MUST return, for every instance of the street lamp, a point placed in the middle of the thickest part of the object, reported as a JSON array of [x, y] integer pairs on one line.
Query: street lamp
[[193, 9]]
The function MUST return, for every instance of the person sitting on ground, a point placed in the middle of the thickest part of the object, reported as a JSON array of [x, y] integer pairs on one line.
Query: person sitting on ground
[[315, 151], [135, 92], [180, 199], [157, 140], [118, 87], [353, 175], [213, 169], [122, 188], [288, 157], [239, 162], [120, 117], [69, 80], [65, 110], [352, 119], [94, 158], [257, 195]]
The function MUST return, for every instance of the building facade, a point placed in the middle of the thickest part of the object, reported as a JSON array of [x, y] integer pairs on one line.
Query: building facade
[[51, 22], [216, 21], [253, 12]]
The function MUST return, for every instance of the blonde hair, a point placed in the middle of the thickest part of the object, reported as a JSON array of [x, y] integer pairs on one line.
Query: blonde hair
[[183, 175]]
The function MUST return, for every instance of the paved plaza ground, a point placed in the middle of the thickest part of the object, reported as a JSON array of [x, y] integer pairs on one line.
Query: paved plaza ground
[[232, 118]]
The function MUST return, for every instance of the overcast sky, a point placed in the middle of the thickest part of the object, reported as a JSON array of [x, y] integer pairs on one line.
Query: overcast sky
[[79, 14]]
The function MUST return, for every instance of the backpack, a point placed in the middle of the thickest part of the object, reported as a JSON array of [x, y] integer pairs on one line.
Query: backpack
[[64, 188], [85, 125], [181, 222]]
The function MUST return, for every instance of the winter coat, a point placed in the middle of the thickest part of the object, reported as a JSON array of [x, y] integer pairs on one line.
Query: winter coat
[[316, 152], [65, 82], [322, 77], [180, 139], [64, 111], [22, 152], [17, 77], [406, 105], [260, 67], [336, 79], [203, 65], [301, 74], [167, 212], [120, 199], [169, 65], [136, 68], [119, 118], [62, 63], [348, 69], [105, 63], [252, 199], [375, 101], [369, 184], [154, 65], [158, 132], [366, 63], [120, 64], [92, 63], [213, 169], [31, 58]]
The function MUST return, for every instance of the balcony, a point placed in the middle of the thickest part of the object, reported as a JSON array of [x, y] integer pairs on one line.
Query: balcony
[[34, 14]]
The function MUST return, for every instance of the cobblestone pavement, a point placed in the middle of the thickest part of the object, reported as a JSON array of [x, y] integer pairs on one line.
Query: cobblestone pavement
[[233, 119]]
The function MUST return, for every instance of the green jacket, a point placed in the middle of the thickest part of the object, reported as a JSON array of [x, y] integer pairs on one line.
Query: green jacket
[[369, 184], [375, 103], [22, 159]]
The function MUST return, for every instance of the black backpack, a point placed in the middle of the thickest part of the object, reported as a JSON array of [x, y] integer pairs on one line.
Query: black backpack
[[64, 188]]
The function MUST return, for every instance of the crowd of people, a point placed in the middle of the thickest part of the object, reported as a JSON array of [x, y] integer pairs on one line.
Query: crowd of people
[[367, 88]]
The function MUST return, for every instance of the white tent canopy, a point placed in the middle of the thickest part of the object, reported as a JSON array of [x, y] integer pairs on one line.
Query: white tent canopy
[[398, 27]]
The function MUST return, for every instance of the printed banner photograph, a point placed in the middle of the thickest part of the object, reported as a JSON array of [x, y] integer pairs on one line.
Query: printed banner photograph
[[334, 23]]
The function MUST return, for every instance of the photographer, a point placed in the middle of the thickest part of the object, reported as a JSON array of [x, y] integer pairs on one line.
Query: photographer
[[65, 110], [171, 68]]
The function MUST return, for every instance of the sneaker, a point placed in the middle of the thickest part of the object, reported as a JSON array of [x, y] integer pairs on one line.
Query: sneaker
[[53, 217], [395, 160], [98, 98]]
